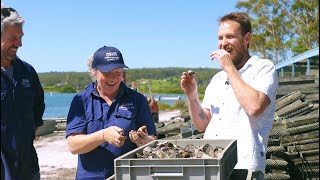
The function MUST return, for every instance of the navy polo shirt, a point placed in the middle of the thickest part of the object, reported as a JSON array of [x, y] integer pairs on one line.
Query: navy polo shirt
[[22, 107], [90, 113]]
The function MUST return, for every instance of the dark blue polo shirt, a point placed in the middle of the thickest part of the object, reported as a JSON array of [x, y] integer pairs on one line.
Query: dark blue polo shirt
[[90, 113], [22, 107]]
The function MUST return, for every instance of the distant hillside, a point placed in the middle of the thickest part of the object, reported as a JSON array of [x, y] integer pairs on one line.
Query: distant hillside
[[73, 79], [162, 80]]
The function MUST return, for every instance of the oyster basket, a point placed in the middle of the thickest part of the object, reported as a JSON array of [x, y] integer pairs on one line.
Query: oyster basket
[[129, 167]]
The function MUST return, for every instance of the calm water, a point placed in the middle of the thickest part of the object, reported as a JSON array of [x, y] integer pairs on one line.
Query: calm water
[[57, 104]]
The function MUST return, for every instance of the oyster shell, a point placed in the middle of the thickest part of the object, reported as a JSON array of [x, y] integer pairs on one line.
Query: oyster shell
[[147, 150], [169, 150], [192, 73]]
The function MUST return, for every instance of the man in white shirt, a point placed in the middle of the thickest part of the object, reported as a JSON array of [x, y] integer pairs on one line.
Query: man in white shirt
[[239, 102]]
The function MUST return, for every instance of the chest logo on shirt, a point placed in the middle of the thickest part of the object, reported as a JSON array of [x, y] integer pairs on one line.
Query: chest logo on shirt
[[25, 83], [126, 106]]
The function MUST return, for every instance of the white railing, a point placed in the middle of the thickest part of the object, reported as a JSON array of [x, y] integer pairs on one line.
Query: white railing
[[300, 57], [304, 56]]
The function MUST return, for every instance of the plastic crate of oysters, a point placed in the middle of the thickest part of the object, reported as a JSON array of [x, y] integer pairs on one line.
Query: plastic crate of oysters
[[181, 159]]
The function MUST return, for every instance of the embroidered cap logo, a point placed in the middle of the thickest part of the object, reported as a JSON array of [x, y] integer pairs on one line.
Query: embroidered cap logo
[[111, 56]]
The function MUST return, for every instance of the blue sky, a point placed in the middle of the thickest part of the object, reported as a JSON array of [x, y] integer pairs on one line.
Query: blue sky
[[60, 35]]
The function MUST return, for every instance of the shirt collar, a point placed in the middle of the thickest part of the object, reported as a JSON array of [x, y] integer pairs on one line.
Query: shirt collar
[[14, 61], [249, 63]]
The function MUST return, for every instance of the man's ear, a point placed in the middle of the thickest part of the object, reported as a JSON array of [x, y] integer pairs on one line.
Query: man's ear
[[246, 39]]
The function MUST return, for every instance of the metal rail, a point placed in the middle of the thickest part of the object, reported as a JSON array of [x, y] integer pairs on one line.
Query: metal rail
[[304, 56]]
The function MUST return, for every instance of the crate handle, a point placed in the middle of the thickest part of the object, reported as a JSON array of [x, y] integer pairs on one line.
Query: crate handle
[[167, 174]]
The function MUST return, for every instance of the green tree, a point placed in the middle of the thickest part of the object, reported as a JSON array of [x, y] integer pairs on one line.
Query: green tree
[[305, 20], [67, 89], [281, 26], [270, 27]]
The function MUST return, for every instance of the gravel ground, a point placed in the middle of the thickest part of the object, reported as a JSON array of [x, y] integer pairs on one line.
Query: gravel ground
[[55, 160]]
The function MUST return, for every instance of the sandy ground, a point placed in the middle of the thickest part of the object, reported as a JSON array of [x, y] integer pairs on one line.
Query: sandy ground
[[55, 160]]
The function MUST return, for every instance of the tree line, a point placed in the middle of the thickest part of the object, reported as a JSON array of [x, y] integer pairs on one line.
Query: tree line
[[162, 80], [282, 26]]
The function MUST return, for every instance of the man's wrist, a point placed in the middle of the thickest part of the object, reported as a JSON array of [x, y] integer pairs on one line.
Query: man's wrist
[[192, 97]]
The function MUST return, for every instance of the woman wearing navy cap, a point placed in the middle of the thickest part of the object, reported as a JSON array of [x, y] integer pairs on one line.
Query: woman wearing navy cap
[[107, 119]]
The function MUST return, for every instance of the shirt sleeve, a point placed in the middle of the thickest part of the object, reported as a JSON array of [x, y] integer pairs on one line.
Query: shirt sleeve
[[145, 118], [76, 120], [39, 101], [266, 80]]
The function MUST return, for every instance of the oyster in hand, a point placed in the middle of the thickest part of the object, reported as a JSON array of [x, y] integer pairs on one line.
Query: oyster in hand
[[191, 73]]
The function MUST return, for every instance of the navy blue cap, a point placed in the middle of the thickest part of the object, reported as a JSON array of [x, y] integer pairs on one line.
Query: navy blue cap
[[107, 59]]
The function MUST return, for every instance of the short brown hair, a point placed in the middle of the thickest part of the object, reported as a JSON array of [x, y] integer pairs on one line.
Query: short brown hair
[[240, 17]]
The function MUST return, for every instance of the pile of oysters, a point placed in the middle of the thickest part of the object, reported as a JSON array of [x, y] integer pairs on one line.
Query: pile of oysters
[[169, 150]]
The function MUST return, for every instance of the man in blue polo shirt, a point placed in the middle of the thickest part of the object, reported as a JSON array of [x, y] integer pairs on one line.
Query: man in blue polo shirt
[[107, 119], [22, 103]]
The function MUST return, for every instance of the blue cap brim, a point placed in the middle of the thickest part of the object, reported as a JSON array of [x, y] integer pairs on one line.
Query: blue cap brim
[[110, 67]]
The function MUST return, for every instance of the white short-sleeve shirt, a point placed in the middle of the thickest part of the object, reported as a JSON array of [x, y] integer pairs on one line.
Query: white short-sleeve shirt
[[230, 121]]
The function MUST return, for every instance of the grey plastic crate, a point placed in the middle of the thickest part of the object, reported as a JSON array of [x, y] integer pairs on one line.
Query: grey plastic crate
[[128, 167]]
